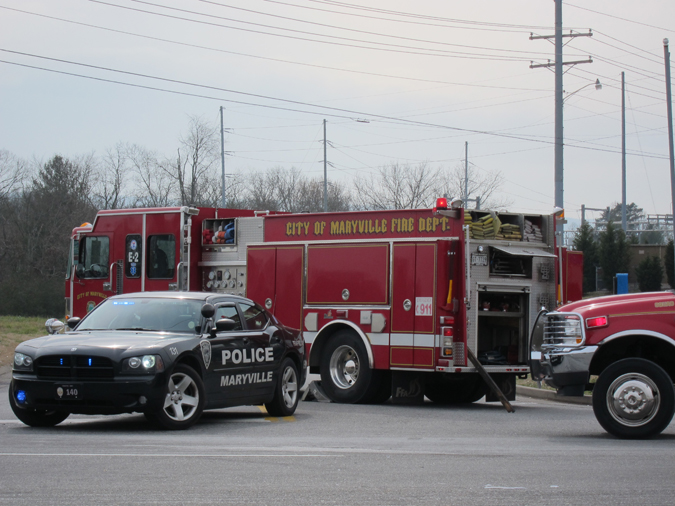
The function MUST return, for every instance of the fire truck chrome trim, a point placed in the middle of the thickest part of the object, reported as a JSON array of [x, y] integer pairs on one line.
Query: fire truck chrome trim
[[382, 240], [359, 332]]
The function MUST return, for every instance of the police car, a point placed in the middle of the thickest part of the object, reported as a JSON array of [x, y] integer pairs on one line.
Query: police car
[[169, 355]]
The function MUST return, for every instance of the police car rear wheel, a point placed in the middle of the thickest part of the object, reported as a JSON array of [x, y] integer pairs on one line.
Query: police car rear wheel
[[36, 417], [286, 393], [183, 403]]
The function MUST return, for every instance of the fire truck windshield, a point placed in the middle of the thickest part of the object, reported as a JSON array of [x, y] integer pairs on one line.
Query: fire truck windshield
[[94, 254]]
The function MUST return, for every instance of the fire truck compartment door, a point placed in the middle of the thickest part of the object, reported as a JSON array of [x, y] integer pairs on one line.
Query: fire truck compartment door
[[413, 305], [524, 252], [348, 274], [275, 281]]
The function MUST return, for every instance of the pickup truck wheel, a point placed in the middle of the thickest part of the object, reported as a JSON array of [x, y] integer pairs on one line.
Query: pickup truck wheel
[[346, 376], [286, 392], [183, 402], [36, 417], [634, 398]]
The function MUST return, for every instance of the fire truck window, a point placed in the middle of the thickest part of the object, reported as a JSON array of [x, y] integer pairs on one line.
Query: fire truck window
[[228, 312], [161, 256], [94, 257], [256, 319], [133, 256]]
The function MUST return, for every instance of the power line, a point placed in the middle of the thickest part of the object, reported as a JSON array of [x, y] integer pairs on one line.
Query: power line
[[394, 48], [567, 4]]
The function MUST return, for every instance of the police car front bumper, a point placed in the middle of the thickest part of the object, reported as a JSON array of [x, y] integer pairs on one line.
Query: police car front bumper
[[566, 369], [126, 394]]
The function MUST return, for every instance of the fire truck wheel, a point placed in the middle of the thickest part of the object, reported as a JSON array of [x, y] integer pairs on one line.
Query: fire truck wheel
[[346, 376], [634, 398], [382, 391], [183, 402], [286, 394], [456, 391], [36, 417]]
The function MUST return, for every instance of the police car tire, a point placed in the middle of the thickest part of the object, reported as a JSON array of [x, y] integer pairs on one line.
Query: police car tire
[[641, 372], [286, 392], [346, 344], [195, 385], [36, 417]]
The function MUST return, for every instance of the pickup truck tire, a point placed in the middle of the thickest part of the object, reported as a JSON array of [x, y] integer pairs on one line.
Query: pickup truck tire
[[346, 376], [634, 398]]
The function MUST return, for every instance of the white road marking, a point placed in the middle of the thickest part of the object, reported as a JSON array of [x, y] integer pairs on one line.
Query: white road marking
[[164, 455]]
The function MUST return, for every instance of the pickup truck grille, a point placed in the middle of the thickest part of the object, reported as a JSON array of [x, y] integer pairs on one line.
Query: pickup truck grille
[[563, 329], [74, 367]]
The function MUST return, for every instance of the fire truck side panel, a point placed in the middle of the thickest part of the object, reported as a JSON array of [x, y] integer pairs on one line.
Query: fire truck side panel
[[402, 313], [424, 341], [347, 274], [573, 275], [262, 264], [290, 269]]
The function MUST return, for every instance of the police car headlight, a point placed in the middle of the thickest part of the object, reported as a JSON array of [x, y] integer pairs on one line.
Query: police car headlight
[[22, 361], [143, 365]]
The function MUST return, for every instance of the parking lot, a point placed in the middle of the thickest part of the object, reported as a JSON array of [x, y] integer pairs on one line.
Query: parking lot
[[544, 453]]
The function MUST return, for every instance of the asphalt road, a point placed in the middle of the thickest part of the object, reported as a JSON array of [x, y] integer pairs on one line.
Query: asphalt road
[[546, 453]]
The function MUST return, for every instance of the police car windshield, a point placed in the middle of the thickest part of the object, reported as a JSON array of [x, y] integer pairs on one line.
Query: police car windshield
[[145, 314]]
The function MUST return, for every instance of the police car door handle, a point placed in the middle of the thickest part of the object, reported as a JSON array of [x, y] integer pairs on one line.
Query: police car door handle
[[245, 340]]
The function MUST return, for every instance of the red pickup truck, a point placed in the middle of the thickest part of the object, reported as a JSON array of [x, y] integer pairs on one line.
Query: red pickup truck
[[628, 341]]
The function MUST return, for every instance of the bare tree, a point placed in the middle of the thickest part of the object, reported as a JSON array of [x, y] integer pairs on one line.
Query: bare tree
[[111, 178], [12, 173], [155, 186], [482, 184], [398, 186], [194, 169]]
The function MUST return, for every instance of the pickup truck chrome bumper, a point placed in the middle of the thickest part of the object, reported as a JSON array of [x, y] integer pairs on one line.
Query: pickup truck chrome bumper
[[566, 369]]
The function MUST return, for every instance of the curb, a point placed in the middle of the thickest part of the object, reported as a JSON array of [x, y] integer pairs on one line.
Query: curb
[[550, 395]]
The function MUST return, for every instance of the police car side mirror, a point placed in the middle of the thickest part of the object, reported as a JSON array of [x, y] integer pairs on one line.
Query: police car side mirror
[[72, 322], [79, 270], [223, 325]]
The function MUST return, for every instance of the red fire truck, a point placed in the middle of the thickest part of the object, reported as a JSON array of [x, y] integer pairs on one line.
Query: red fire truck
[[389, 302]]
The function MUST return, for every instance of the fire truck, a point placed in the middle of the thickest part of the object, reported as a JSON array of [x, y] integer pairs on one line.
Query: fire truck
[[402, 303]]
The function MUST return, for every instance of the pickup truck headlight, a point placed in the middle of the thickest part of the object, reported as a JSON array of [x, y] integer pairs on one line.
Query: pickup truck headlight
[[563, 329], [146, 364], [22, 362]]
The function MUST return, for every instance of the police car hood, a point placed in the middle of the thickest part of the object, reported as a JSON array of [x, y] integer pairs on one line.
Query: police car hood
[[113, 340]]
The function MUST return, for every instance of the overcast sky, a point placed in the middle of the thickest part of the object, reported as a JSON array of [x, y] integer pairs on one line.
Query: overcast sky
[[397, 81]]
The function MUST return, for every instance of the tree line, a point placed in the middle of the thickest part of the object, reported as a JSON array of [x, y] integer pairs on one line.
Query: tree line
[[41, 202], [608, 247]]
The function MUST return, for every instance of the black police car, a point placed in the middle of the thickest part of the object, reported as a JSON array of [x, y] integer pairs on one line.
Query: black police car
[[169, 355]]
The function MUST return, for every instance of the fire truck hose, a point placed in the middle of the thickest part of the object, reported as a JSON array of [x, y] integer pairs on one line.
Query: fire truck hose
[[490, 382]]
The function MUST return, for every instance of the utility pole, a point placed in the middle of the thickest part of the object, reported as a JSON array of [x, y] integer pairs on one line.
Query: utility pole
[[558, 64], [222, 157], [466, 175], [624, 223], [325, 171], [669, 101]]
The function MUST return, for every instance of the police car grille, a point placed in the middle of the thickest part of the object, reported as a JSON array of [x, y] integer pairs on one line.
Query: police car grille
[[74, 367]]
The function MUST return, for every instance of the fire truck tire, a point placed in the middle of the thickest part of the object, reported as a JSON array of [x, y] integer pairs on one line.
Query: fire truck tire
[[456, 391], [381, 391], [346, 376], [634, 398], [36, 417]]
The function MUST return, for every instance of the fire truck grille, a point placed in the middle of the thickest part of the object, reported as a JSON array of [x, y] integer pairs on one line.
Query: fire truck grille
[[74, 367], [563, 330]]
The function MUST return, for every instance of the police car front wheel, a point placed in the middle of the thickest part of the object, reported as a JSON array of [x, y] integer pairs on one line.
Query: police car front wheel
[[183, 402]]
